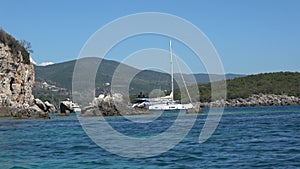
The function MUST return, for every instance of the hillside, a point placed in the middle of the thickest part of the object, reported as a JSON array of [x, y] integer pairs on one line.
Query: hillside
[[60, 74], [238, 86], [279, 83]]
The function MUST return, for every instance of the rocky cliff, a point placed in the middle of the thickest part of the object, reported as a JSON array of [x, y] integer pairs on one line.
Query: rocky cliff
[[16, 78], [16, 82]]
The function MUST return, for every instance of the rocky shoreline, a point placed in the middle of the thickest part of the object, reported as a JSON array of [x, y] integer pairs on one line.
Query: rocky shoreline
[[37, 109], [110, 106], [255, 100]]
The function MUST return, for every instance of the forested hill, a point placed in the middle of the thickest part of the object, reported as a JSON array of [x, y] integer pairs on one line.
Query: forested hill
[[287, 83], [60, 74], [238, 86]]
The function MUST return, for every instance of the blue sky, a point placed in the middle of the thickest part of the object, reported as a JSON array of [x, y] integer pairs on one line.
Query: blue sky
[[251, 36]]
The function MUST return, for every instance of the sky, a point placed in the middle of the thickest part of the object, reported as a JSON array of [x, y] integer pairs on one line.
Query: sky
[[250, 36]]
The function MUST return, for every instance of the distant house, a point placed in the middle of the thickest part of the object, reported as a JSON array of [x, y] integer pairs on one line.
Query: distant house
[[45, 85]]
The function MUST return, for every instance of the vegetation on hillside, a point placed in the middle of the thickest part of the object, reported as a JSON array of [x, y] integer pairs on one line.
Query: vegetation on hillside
[[144, 81], [53, 97], [49, 93], [268, 83], [23, 46], [280, 83]]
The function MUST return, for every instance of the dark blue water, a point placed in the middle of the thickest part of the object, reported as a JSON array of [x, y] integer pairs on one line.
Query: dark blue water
[[262, 137]]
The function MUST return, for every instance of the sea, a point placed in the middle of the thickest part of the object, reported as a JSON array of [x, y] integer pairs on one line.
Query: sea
[[252, 137]]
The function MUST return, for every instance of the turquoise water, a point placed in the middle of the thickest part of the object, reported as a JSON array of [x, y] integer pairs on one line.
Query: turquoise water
[[262, 137]]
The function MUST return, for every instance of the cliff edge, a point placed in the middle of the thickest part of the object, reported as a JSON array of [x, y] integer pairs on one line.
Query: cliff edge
[[16, 82]]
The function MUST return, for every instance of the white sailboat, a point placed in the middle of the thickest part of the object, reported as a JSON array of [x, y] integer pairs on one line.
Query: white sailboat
[[167, 102]]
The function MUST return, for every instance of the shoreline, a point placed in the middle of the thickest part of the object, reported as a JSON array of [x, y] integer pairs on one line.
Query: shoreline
[[254, 101], [56, 116]]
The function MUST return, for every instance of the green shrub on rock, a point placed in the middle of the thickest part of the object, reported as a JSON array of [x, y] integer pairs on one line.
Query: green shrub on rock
[[23, 46]]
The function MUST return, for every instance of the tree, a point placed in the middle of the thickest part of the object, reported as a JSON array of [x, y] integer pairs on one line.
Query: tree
[[26, 45]]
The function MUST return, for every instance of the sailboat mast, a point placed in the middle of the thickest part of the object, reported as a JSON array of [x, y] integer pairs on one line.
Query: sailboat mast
[[172, 78]]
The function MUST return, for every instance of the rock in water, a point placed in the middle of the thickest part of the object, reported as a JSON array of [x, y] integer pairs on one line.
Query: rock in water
[[50, 107], [40, 104], [110, 106], [66, 108]]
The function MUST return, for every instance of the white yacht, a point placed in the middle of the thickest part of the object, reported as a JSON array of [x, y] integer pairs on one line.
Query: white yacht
[[167, 102]]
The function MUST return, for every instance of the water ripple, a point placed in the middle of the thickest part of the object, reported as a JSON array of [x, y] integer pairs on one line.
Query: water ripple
[[245, 138]]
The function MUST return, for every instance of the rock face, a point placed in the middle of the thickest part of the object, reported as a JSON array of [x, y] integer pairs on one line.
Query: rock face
[[256, 100], [16, 82], [16, 78], [110, 106], [50, 107]]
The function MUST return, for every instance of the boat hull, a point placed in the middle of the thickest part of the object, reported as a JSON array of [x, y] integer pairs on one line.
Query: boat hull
[[160, 107]]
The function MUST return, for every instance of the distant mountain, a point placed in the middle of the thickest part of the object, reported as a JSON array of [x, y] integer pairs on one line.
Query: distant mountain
[[60, 74]]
